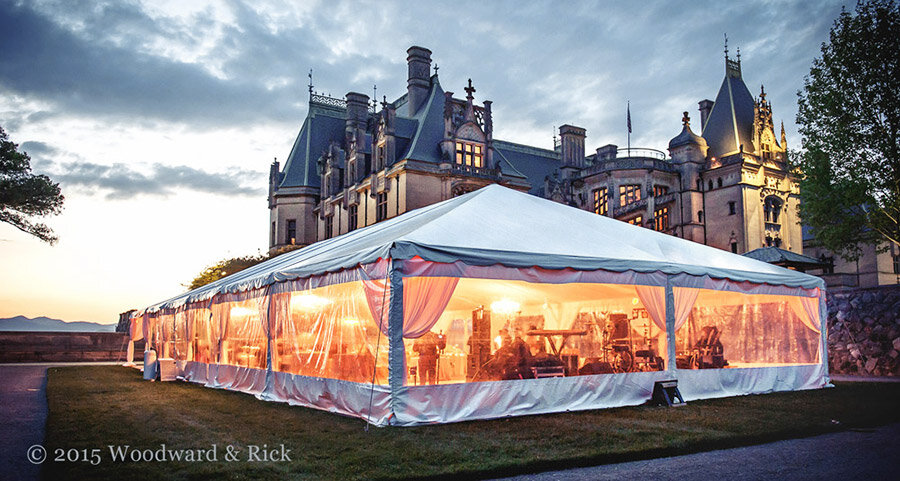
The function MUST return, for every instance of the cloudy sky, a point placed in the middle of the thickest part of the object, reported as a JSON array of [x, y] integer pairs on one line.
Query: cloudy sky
[[160, 119]]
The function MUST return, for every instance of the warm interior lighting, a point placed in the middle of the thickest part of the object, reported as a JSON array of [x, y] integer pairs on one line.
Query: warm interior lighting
[[307, 302], [634, 301], [505, 306], [240, 311]]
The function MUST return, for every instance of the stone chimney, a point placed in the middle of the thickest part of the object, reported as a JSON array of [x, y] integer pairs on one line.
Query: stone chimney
[[705, 107], [419, 81], [572, 143], [357, 110], [607, 152]]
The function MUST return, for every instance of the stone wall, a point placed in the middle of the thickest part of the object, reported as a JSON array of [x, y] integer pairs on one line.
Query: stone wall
[[864, 331], [19, 346]]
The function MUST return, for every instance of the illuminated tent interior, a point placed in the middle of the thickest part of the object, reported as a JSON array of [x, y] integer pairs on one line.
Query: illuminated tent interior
[[491, 304]]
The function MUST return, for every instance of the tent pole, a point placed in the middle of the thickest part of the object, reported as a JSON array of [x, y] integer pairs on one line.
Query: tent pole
[[670, 325], [396, 353], [823, 328]]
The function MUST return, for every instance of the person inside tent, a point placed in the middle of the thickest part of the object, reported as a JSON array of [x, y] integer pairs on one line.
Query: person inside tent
[[428, 347]]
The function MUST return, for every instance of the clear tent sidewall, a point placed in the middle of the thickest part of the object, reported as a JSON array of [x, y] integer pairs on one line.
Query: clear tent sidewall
[[257, 318]]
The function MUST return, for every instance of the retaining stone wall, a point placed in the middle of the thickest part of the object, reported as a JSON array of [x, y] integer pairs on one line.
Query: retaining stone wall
[[864, 331]]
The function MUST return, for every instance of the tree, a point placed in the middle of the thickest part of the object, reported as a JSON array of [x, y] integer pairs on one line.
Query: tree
[[24, 195], [849, 118], [224, 268]]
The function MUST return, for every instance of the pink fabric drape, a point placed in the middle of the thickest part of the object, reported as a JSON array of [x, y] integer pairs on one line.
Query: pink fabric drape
[[424, 300], [378, 298], [654, 300], [685, 297]]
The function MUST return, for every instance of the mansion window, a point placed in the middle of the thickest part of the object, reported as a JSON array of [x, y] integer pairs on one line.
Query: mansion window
[[629, 194], [896, 264], [352, 217], [291, 232], [660, 190], [601, 202], [773, 242], [638, 221], [661, 219], [731, 208], [719, 182], [381, 206], [273, 240], [469, 154], [766, 152], [734, 247], [772, 209], [329, 226]]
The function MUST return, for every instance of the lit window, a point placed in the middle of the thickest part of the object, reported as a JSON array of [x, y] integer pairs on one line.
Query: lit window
[[660, 190], [661, 219], [381, 206], [601, 202], [638, 221], [469, 154], [629, 194]]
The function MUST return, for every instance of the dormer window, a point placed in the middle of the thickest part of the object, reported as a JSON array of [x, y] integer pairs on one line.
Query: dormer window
[[379, 157], [469, 154]]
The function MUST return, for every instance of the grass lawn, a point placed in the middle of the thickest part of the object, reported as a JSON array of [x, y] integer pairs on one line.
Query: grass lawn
[[97, 406]]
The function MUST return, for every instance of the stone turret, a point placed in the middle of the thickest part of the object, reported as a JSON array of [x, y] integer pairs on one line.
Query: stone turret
[[418, 82]]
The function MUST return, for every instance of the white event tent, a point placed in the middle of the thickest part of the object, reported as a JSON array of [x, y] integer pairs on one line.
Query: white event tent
[[495, 303]]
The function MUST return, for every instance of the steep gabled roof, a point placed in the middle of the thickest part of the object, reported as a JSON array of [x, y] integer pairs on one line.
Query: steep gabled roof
[[320, 127], [497, 225], [730, 124]]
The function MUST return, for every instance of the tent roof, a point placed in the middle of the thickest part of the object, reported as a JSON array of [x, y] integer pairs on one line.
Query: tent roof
[[500, 225]]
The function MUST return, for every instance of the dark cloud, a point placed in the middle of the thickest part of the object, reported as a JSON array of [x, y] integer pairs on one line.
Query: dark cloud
[[120, 182], [541, 63], [89, 74], [33, 147]]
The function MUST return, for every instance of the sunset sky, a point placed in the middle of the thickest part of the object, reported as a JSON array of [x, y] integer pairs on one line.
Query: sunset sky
[[160, 119]]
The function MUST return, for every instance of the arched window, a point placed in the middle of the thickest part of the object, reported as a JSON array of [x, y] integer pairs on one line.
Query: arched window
[[719, 182], [710, 184]]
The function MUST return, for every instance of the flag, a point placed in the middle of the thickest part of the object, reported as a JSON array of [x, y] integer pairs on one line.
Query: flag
[[629, 117]]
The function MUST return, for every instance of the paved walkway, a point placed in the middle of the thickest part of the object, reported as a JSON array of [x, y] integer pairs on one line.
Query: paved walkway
[[23, 414], [869, 454]]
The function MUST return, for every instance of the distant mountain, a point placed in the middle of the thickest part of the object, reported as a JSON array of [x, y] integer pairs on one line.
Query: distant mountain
[[22, 323]]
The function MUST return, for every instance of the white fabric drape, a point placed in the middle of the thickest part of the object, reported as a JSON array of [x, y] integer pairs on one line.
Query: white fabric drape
[[685, 297], [807, 309], [654, 300]]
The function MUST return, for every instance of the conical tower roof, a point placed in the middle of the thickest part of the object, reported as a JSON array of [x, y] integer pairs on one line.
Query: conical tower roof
[[730, 124]]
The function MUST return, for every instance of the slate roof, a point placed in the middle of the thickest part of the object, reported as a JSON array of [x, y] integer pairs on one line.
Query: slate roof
[[730, 122], [781, 257], [417, 137]]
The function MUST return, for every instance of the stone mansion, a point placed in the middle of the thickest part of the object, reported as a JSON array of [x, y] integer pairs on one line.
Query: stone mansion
[[356, 162]]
